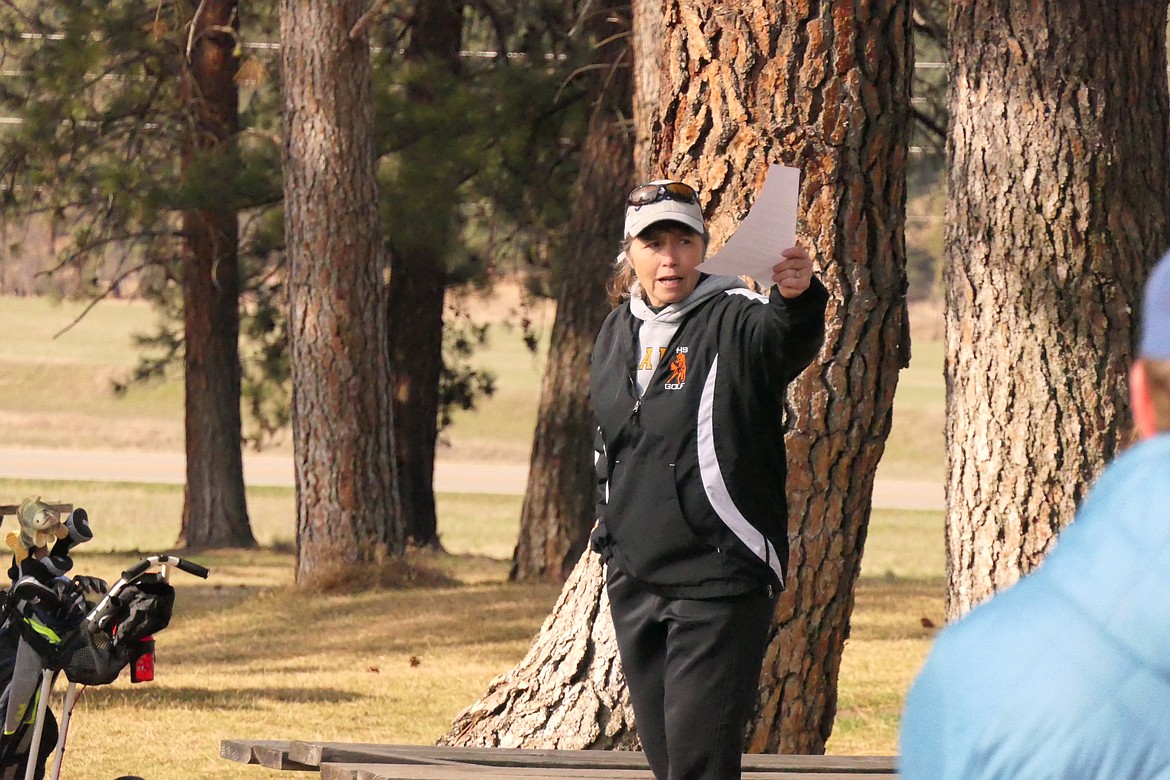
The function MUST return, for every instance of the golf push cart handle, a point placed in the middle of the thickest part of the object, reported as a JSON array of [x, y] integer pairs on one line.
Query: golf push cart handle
[[187, 566]]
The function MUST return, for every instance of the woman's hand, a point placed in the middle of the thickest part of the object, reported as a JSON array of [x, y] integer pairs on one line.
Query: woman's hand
[[793, 273]]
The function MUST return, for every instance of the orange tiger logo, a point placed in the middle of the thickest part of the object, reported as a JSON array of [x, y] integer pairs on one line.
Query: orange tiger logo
[[678, 371]]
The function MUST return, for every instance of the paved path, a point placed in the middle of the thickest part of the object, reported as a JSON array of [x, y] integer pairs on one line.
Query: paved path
[[450, 477]]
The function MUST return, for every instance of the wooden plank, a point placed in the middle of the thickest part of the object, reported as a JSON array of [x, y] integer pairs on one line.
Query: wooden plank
[[816, 774], [772, 762], [341, 771], [317, 753], [456, 771], [242, 750], [276, 757], [366, 771], [10, 509]]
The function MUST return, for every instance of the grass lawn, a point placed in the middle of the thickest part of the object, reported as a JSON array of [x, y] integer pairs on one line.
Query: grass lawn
[[247, 655], [250, 656]]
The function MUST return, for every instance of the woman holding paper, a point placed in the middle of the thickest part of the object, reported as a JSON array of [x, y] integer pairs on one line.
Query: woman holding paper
[[688, 379]]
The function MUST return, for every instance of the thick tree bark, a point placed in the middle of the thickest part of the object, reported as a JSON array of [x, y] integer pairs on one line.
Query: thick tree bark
[[825, 87], [568, 693], [844, 73], [215, 512], [418, 284], [347, 503], [558, 502], [1057, 207]]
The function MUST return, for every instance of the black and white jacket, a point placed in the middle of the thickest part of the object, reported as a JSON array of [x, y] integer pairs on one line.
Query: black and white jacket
[[690, 460]]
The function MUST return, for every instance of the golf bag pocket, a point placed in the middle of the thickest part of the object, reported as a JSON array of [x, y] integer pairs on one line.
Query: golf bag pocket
[[91, 657]]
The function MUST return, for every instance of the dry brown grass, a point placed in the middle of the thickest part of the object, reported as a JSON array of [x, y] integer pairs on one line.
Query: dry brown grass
[[394, 573], [249, 656]]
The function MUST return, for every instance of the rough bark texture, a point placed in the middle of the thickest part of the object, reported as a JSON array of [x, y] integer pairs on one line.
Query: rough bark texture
[[347, 504], [568, 693], [558, 502], [1056, 210], [824, 86], [418, 284], [215, 512]]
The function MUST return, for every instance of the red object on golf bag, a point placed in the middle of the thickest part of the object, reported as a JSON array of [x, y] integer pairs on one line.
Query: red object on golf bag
[[142, 669]]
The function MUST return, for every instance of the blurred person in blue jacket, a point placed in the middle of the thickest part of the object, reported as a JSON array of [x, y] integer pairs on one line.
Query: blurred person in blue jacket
[[1067, 674]]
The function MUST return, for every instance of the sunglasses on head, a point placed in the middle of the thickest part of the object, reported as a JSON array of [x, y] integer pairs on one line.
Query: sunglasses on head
[[652, 193]]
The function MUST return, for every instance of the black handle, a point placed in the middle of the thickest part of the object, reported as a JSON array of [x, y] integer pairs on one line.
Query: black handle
[[134, 571], [191, 567], [172, 560]]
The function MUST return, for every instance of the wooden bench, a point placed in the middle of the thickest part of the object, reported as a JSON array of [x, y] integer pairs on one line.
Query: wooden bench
[[369, 761], [10, 509]]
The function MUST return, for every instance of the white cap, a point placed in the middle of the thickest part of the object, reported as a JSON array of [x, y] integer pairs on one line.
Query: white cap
[[638, 218]]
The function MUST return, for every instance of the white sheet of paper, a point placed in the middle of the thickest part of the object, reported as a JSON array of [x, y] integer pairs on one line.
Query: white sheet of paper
[[767, 230]]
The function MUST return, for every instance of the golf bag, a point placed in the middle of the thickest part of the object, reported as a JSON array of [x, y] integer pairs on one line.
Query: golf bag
[[51, 627], [31, 629]]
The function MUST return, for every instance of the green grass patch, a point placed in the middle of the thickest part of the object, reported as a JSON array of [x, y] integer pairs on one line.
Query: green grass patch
[[141, 517], [484, 525], [500, 428], [58, 392], [42, 331], [916, 447], [904, 544]]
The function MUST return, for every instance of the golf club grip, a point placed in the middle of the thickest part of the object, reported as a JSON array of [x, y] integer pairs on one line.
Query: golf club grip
[[191, 568], [170, 560], [137, 569]]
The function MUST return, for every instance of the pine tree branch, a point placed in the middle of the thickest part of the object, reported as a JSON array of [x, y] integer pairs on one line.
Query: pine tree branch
[[366, 19], [191, 28], [928, 124], [111, 288]]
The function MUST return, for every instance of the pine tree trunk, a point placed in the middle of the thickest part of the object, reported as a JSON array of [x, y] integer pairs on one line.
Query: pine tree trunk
[[558, 502], [347, 505], [415, 320], [568, 693], [828, 92], [1057, 208], [215, 510], [418, 284], [845, 73]]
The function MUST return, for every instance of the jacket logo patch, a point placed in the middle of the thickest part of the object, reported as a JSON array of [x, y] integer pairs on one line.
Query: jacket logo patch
[[678, 370]]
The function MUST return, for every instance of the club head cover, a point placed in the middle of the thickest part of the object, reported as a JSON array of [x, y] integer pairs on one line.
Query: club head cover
[[78, 525], [74, 531], [38, 523], [57, 563], [19, 551], [31, 567]]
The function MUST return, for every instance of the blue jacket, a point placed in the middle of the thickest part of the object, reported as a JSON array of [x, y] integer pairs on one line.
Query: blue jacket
[[1066, 674]]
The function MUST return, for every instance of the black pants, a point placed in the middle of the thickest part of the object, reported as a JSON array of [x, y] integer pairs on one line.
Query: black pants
[[693, 669]]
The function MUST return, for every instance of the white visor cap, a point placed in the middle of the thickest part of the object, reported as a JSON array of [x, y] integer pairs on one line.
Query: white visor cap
[[638, 218]]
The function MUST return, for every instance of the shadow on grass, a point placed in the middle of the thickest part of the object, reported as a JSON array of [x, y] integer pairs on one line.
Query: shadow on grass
[[212, 700], [265, 625]]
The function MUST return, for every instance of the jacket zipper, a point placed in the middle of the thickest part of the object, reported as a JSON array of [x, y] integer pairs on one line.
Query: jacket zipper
[[634, 390]]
